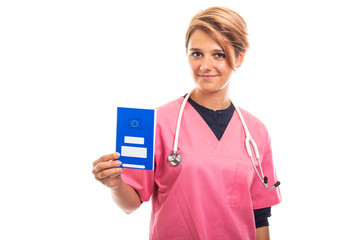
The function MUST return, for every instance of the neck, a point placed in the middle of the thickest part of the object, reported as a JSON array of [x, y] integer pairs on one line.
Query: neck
[[213, 100]]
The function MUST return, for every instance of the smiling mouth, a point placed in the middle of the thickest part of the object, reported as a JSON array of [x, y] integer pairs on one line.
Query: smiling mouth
[[207, 77]]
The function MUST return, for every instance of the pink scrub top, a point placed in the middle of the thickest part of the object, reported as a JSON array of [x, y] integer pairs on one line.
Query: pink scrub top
[[214, 190]]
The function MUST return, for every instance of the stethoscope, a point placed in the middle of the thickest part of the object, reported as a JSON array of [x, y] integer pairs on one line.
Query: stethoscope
[[174, 158]]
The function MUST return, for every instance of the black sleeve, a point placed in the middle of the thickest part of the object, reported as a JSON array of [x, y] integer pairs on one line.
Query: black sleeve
[[261, 217]]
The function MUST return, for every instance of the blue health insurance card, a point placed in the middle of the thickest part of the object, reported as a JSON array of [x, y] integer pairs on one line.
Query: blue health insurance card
[[135, 137]]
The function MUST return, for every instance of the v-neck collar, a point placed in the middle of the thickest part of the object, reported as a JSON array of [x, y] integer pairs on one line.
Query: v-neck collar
[[217, 121], [215, 144]]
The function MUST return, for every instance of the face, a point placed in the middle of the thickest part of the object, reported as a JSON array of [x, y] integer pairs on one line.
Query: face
[[208, 64]]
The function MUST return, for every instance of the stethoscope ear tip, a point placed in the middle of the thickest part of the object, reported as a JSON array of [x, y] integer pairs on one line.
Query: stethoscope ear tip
[[266, 179], [277, 184]]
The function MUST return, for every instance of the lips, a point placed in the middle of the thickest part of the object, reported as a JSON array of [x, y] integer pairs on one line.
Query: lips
[[207, 77]]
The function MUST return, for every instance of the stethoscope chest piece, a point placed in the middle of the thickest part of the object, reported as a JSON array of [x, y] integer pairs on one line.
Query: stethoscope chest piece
[[174, 159]]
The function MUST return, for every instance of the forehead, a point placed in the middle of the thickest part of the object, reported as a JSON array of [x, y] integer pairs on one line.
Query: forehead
[[201, 40]]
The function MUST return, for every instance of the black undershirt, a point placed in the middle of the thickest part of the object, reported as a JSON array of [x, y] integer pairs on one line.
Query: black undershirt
[[218, 121]]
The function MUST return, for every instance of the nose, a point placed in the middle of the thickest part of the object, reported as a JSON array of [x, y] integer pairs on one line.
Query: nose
[[206, 64]]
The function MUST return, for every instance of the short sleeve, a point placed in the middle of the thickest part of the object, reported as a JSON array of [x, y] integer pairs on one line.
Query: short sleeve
[[141, 180], [262, 197]]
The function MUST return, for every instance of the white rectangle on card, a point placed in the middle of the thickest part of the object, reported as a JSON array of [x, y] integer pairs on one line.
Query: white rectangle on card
[[134, 140], [136, 152], [133, 166]]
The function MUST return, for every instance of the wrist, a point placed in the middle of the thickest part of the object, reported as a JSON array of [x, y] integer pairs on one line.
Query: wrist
[[118, 185]]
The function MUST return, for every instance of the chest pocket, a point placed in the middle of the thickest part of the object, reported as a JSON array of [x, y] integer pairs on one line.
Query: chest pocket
[[240, 194]]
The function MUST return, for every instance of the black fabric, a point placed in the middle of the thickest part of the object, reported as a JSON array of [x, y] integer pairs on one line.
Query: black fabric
[[261, 217], [218, 121]]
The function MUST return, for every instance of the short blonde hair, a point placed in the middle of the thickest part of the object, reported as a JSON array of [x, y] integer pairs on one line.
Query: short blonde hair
[[225, 26]]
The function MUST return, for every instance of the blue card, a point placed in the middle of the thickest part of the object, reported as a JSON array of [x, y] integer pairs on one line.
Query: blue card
[[135, 137]]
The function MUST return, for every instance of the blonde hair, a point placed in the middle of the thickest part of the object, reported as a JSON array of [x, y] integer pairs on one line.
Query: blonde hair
[[225, 26]]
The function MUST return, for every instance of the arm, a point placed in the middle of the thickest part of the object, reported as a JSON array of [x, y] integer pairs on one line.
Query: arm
[[262, 233], [106, 170], [126, 197]]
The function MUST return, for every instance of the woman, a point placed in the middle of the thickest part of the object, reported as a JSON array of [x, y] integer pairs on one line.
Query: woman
[[214, 193]]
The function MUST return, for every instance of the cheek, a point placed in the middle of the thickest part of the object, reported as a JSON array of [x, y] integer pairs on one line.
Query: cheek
[[224, 68], [193, 66]]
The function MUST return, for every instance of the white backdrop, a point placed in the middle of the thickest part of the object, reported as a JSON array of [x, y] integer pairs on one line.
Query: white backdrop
[[66, 65]]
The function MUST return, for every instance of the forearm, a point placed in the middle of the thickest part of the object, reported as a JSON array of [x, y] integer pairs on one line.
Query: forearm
[[126, 197], [262, 233]]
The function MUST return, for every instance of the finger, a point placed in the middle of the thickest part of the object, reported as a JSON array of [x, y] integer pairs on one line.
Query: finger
[[112, 181], [107, 157], [106, 165], [114, 176], [113, 172]]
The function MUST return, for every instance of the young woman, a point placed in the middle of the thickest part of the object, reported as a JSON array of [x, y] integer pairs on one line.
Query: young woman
[[214, 192]]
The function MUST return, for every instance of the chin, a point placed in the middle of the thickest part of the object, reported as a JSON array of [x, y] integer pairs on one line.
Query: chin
[[210, 88]]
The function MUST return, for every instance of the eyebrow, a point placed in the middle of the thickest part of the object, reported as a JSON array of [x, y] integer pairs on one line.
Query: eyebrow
[[215, 50]]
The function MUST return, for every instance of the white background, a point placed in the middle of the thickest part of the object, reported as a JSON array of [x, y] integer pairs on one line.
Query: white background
[[66, 65]]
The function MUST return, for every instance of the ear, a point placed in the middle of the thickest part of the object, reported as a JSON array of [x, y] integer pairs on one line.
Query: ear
[[239, 60]]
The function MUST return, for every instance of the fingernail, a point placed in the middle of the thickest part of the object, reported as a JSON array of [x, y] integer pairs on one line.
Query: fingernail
[[117, 163], [116, 155]]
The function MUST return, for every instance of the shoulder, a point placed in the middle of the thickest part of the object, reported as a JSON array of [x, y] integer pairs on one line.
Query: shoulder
[[170, 105], [166, 115], [251, 119], [169, 110], [256, 127]]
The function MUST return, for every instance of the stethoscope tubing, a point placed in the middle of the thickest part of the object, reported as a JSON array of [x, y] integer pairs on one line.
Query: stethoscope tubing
[[175, 158], [176, 141]]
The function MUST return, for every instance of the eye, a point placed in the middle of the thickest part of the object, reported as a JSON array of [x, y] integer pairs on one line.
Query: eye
[[220, 55], [196, 54]]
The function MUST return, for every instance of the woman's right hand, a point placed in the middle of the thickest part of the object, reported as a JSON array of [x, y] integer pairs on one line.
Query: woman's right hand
[[106, 170]]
